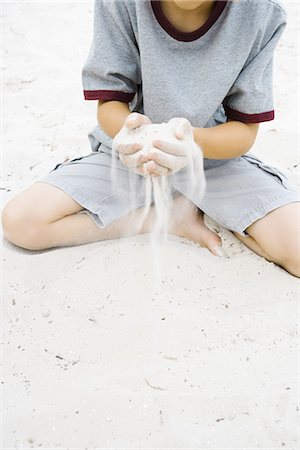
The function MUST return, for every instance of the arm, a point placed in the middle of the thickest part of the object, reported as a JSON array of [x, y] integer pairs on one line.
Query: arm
[[250, 95], [111, 116], [229, 140]]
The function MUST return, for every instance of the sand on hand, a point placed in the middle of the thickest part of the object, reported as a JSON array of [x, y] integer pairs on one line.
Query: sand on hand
[[158, 189]]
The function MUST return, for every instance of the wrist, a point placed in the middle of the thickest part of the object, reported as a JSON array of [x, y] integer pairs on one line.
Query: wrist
[[199, 138]]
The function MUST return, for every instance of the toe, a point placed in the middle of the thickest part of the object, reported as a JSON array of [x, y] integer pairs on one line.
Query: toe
[[205, 237]]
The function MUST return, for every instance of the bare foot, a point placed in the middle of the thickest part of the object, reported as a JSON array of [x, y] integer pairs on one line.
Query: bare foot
[[187, 221]]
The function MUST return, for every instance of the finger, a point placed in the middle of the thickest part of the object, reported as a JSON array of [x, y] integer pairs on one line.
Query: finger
[[178, 128], [135, 120], [129, 149], [171, 162], [140, 170], [152, 168], [132, 120], [181, 127], [179, 134], [133, 161], [183, 130], [169, 147]]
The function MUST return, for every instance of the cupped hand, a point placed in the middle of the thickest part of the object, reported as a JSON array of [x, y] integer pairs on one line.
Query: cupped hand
[[129, 153], [174, 150], [175, 154]]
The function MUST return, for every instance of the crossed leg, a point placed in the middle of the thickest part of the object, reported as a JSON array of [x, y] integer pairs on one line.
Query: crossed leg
[[44, 216]]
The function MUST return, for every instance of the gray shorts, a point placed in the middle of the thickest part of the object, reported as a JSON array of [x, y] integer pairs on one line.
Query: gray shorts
[[239, 191]]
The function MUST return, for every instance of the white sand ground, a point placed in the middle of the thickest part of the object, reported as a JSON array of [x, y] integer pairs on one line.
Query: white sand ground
[[95, 355]]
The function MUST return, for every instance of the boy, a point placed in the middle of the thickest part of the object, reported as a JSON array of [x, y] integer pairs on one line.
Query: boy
[[203, 61]]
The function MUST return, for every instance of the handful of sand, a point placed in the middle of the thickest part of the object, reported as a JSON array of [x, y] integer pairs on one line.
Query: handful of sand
[[181, 153]]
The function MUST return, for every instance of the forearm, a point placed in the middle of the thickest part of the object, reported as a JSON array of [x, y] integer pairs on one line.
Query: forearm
[[111, 116], [229, 140]]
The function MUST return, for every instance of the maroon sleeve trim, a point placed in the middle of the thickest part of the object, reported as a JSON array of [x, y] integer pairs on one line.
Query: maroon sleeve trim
[[109, 95], [249, 118]]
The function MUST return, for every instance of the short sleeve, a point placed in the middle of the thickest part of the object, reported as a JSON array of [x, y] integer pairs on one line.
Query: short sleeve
[[250, 99], [112, 68]]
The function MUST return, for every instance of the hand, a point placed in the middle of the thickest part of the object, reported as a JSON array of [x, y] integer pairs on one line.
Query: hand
[[178, 149], [129, 152], [165, 156]]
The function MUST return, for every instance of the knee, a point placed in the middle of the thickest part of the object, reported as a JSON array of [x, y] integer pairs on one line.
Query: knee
[[19, 227]]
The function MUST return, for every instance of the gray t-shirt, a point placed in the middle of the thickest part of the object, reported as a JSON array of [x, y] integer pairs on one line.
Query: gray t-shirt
[[221, 71]]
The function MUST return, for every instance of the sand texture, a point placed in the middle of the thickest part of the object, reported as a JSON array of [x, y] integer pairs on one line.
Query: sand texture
[[95, 354]]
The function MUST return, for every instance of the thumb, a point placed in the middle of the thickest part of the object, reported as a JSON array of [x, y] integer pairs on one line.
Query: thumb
[[135, 120], [182, 128], [133, 116]]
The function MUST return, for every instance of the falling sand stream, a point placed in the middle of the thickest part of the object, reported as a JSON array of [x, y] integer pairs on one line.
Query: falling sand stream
[[158, 191]]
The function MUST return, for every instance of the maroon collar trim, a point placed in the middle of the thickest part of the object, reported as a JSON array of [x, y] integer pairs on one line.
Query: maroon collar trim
[[181, 35]]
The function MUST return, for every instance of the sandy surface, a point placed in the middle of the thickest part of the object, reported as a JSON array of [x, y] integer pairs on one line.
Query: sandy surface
[[96, 354]]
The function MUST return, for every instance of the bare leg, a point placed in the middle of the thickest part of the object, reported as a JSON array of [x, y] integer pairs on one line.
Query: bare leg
[[251, 243], [33, 223], [276, 237]]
